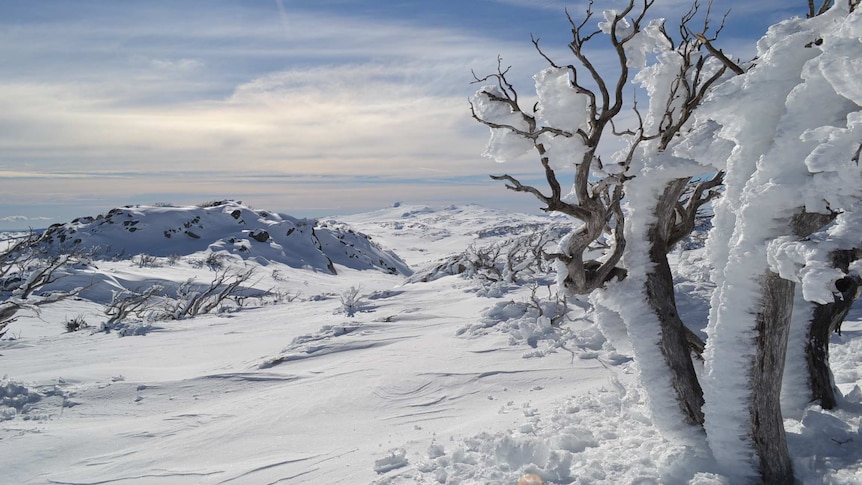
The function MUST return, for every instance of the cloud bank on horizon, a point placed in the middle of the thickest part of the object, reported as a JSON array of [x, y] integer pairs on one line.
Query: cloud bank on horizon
[[307, 107]]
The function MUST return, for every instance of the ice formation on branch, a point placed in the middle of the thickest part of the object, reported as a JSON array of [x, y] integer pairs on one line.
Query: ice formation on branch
[[793, 122]]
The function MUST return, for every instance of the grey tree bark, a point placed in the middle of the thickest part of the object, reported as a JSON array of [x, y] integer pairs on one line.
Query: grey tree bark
[[660, 298], [826, 319], [767, 369], [773, 329]]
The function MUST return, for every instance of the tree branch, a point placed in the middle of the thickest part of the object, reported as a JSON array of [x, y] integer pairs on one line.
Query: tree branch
[[720, 55]]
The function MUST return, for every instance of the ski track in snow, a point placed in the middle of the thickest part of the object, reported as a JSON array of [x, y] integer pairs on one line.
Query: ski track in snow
[[300, 392]]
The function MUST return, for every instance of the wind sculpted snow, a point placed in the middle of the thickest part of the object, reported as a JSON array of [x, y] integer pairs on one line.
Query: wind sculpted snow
[[425, 383]]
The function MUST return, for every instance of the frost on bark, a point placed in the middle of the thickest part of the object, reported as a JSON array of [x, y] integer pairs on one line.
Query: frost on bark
[[785, 133], [772, 325], [566, 128], [827, 319], [794, 122], [683, 74]]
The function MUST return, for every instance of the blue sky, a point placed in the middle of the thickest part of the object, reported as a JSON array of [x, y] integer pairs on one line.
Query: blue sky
[[307, 107]]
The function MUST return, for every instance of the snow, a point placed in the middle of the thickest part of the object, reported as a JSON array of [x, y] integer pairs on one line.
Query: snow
[[559, 104], [381, 348], [562, 107], [504, 144], [789, 119], [623, 27], [221, 227], [426, 383]]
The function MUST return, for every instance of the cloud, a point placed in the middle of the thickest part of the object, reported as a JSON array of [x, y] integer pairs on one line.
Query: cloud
[[23, 218], [353, 118], [111, 104], [176, 65], [340, 95]]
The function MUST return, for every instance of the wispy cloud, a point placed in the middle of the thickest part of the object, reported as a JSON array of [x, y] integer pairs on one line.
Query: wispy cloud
[[349, 96], [124, 102], [23, 218]]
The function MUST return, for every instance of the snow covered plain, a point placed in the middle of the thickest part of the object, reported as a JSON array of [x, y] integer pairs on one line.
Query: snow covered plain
[[446, 381]]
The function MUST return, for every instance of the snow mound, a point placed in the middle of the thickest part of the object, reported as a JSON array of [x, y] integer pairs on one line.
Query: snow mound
[[545, 326], [396, 459], [230, 226], [15, 398], [18, 400], [602, 437]]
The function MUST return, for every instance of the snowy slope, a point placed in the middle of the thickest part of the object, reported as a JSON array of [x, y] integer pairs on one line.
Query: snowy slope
[[222, 226], [426, 383], [425, 234]]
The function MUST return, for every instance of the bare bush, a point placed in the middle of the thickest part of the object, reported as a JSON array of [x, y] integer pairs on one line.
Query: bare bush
[[27, 271], [146, 261], [127, 303], [278, 275], [213, 261], [193, 299], [75, 324], [510, 261], [351, 300], [555, 307], [276, 296]]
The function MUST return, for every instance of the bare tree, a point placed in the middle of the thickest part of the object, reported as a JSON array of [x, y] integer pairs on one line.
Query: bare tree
[[597, 200], [26, 273], [814, 11]]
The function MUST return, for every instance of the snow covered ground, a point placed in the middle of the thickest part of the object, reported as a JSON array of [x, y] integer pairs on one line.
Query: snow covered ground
[[434, 382]]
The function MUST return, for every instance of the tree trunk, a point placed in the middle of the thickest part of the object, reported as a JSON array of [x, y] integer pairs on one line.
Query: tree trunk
[[660, 298], [825, 320], [773, 328], [674, 341], [817, 356]]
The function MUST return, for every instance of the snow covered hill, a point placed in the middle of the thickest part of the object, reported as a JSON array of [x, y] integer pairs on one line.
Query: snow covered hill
[[227, 225], [434, 382]]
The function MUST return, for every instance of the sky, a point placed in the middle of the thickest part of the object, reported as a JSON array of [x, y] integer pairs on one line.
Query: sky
[[310, 107]]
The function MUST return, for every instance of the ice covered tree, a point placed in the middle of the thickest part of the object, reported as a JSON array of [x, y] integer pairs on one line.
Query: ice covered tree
[[568, 128], [662, 201], [794, 122], [784, 133]]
